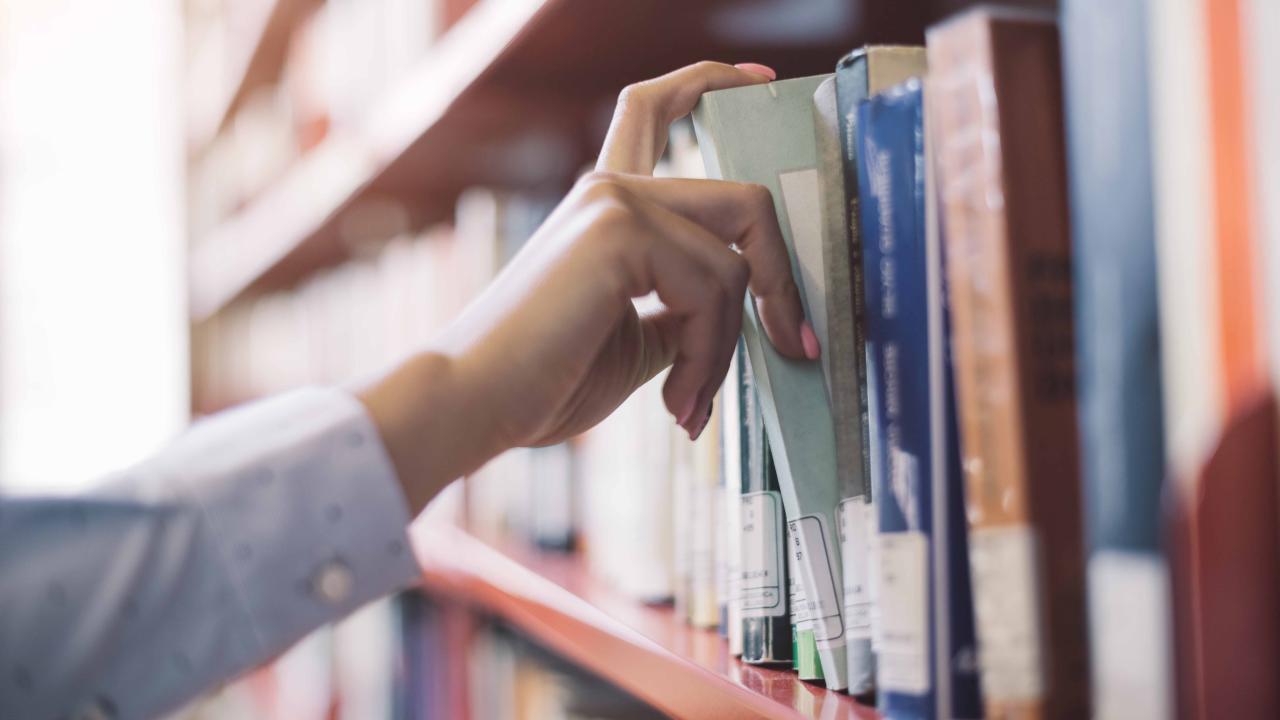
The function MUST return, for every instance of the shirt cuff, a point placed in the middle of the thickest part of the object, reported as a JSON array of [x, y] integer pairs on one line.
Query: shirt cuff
[[304, 507]]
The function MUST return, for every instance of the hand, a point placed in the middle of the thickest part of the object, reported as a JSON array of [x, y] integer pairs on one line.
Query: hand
[[555, 344]]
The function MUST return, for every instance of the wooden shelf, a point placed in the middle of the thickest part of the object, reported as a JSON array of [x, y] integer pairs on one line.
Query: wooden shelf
[[516, 94], [642, 649]]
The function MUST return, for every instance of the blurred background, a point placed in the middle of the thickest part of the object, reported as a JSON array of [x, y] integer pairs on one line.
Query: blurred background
[[206, 201]]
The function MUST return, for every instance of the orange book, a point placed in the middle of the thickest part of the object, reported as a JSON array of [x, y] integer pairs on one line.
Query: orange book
[[997, 118], [1224, 508]]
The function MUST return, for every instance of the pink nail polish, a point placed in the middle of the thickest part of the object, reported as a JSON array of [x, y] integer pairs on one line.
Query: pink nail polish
[[683, 418], [809, 340], [758, 69], [703, 425]]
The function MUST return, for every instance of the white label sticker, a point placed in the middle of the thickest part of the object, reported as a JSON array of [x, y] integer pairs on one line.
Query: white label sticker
[[1007, 608], [814, 556], [903, 661], [854, 553], [760, 574], [1129, 615], [873, 571]]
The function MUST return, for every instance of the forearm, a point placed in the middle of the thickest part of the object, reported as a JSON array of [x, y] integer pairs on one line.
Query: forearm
[[254, 528], [432, 423]]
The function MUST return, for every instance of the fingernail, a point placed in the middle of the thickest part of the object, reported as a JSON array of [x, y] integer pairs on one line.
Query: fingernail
[[683, 418], [809, 340], [702, 425], [758, 69]]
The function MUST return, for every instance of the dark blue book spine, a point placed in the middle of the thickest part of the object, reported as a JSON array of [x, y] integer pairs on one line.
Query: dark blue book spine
[[890, 135], [1118, 346], [1117, 351]]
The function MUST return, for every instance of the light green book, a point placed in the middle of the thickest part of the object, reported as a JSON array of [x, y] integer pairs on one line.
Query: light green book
[[764, 134]]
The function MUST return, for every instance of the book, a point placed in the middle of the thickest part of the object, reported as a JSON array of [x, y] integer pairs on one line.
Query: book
[[762, 588], [926, 665], [628, 521], [705, 531], [996, 74], [1118, 355], [1261, 18], [842, 364], [733, 465], [1219, 402], [863, 72], [764, 134]]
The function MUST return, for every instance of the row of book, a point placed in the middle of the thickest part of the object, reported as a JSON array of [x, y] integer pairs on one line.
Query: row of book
[[1035, 472], [339, 59]]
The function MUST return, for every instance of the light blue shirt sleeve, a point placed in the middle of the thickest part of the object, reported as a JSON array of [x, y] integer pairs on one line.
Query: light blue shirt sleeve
[[255, 527]]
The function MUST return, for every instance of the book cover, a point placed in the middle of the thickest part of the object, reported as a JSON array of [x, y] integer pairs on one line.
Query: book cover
[[1118, 355], [861, 73], [996, 75], [764, 134], [925, 649]]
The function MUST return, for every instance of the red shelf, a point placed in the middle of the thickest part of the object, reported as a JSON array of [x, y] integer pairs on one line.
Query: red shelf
[[642, 649]]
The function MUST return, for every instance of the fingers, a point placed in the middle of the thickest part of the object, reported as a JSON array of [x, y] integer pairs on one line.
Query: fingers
[[645, 111], [709, 336], [700, 281], [743, 215]]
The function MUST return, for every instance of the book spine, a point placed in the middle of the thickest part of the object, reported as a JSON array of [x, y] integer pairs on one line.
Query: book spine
[[1009, 272], [857, 513], [729, 558], [844, 365], [762, 591], [955, 653], [704, 529], [1118, 355], [890, 146]]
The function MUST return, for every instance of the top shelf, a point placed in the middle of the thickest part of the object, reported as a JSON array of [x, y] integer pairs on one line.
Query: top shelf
[[259, 62], [642, 649], [516, 95]]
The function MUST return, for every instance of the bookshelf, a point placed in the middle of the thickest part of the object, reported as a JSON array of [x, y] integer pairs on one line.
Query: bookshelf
[[516, 94], [258, 61], [642, 649]]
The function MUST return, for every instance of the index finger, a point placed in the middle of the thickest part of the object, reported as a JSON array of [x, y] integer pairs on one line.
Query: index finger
[[638, 132]]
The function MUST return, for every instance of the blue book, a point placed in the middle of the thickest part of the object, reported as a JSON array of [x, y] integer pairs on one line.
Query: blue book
[[1104, 52], [926, 659]]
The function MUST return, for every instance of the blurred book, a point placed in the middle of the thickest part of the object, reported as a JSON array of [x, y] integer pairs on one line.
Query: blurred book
[[1219, 403], [1105, 62], [996, 118]]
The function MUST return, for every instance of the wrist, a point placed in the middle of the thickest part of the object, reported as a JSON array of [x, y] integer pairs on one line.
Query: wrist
[[431, 425]]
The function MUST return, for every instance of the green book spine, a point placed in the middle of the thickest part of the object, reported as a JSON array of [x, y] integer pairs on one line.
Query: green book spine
[[762, 596]]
